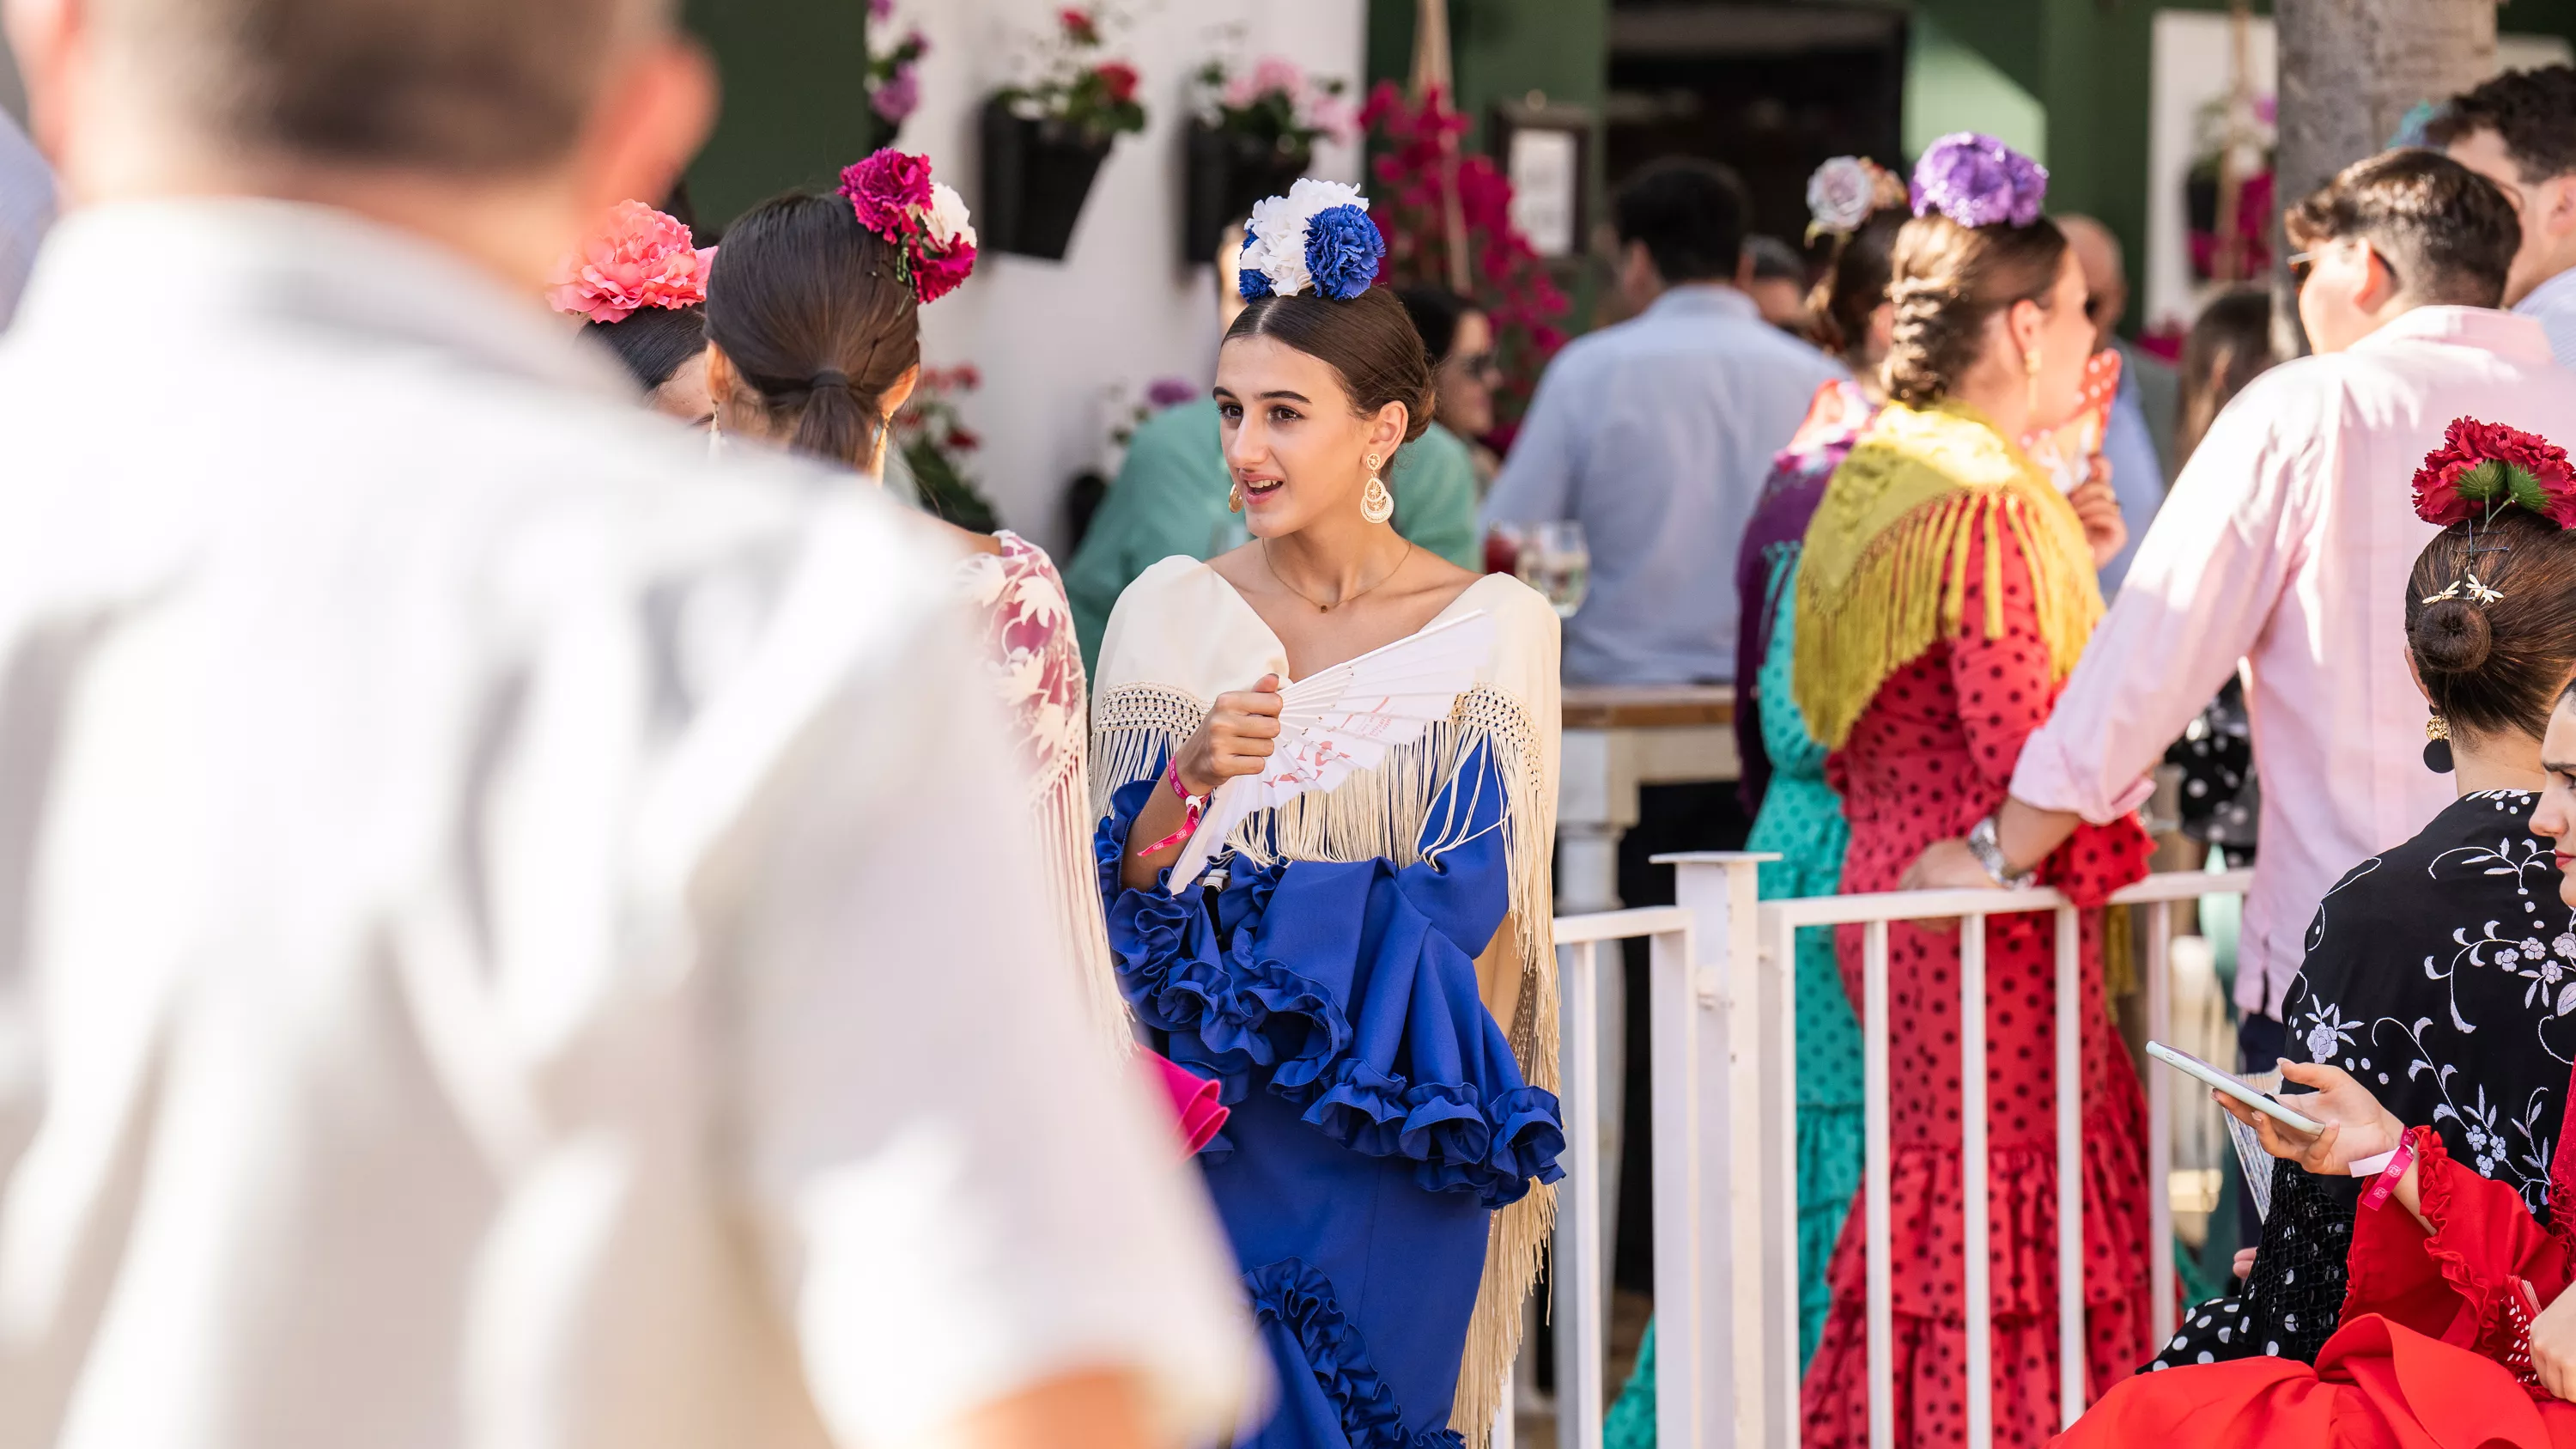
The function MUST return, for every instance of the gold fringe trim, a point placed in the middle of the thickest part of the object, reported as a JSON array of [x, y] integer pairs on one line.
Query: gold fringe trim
[[1884, 574], [1384, 813]]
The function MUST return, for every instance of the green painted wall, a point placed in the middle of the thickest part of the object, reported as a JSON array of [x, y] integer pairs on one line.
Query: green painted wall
[[1502, 50], [793, 110], [1950, 85]]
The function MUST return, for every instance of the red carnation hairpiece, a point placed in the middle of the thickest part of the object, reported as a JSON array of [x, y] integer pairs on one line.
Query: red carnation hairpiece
[[2482, 467]]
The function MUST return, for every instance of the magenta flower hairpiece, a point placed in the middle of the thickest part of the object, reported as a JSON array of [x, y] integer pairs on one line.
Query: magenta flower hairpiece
[[923, 220], [1976, 180]]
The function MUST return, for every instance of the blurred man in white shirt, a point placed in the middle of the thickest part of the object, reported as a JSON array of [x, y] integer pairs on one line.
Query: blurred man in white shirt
[[511, 933], [2518, 130]]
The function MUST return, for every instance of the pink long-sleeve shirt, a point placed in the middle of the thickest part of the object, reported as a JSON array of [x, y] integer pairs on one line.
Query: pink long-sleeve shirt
[[2286, 543]]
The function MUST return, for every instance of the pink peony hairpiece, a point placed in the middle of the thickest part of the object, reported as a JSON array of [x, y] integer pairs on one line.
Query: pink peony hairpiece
[[644, 258], [2482, 467], [924, 221]]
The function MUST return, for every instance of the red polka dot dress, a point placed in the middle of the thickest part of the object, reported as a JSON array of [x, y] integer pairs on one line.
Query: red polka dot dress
[[1931, 755]]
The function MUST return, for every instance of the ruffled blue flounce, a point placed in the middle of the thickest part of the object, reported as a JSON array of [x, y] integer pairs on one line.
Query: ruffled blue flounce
[[1297, 1298], [1342, 988]]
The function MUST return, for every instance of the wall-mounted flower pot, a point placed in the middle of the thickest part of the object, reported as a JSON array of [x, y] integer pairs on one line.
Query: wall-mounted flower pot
[[1037, 174], [1226, 173]]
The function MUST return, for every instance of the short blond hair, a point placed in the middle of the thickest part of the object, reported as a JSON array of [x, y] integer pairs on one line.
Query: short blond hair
[[462, 86]]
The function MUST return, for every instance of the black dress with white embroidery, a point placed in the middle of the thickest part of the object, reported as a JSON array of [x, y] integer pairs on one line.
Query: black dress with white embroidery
[[2442, 975]]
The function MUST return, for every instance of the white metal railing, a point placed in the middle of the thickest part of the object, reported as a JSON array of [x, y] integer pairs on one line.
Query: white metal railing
[[1726, 1138], [1578, 1277]]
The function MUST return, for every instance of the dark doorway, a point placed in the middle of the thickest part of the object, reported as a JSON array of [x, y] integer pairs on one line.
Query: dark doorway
[[1770, 90]]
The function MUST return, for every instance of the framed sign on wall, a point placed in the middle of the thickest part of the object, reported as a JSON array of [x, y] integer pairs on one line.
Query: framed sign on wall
[[1546, 152]]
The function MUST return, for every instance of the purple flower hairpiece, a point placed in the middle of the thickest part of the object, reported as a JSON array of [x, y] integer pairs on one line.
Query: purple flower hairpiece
[[1976, 180]]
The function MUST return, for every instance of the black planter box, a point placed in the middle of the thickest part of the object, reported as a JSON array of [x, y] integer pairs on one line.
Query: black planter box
[[1036, 176], [1226, 174]]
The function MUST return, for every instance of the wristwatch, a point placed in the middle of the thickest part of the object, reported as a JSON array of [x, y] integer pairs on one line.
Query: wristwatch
[[1989, 851]]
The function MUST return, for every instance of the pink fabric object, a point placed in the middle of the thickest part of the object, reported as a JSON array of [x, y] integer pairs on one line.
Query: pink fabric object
[[2286, 543], [1194, 1102], [643, 258]]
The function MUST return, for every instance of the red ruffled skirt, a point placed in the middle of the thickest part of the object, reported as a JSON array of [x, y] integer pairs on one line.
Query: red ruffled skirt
[[2376, 1385]]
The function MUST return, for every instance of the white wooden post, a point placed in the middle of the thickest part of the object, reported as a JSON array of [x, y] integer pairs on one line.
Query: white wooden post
[[1579, 1271], [1716, 1383]]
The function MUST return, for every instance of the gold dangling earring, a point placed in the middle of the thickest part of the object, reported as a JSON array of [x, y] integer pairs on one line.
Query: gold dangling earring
[[1234, 498], [2030, 366], [1376, 504], [2437, 745]]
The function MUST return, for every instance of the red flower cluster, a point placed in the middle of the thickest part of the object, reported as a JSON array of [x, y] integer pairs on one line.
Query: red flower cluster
[[1511, 284], [2482, 467], [1079, 26], [1118, 81]]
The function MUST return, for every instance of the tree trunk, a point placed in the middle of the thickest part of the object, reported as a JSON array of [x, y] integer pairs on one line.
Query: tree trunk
[[2350, 71]]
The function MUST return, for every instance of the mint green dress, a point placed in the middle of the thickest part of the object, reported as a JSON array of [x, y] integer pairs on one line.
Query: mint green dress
[[1802, 822]]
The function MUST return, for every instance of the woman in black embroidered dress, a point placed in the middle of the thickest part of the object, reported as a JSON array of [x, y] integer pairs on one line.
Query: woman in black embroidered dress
[[2442, 974]]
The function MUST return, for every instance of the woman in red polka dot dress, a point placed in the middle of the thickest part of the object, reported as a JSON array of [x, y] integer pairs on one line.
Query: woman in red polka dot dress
[[1947, 591]]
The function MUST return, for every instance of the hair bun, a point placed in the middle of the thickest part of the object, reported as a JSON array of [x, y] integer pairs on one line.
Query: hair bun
[[2451, 637]]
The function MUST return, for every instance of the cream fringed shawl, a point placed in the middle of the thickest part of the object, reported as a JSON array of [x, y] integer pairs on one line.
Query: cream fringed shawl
[[1181, 636]]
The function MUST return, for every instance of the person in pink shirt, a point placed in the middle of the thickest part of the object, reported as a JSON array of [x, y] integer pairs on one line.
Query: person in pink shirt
[[2285, 545]]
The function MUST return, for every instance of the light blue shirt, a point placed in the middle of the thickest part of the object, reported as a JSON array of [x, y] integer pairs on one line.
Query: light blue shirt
[[2137, 474], [2553, 302], [1655, 435], [26, 211]]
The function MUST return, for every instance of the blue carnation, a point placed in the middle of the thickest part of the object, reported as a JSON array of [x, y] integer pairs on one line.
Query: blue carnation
[[1250, 282], [1343, 250]]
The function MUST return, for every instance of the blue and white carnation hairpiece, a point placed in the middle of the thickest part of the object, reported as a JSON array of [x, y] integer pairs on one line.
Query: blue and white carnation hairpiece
[[1319, 236]]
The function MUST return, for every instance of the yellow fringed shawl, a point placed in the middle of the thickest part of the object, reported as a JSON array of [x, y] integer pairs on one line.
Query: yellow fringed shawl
[[1884, 573]]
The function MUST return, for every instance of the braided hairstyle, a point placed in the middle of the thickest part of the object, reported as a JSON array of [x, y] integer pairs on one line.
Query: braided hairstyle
[[1947, 281], [807, 305]]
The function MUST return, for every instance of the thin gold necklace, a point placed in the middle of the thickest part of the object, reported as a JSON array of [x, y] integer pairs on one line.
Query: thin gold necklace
[[1328, 608]]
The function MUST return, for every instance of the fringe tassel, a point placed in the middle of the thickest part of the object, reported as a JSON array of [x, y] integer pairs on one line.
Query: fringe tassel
[[1909, 591], [1382, 813], [1073, 888]]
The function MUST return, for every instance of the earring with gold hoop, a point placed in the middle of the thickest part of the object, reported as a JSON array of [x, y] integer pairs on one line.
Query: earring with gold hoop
[[2030, 367], [1376, 504]]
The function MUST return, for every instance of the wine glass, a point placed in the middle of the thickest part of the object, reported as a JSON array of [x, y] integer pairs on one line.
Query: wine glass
[[1556, 561]]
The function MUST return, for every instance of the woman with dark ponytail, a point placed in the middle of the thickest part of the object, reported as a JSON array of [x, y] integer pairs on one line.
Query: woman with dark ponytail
[[814, 343], [2395, 1302]]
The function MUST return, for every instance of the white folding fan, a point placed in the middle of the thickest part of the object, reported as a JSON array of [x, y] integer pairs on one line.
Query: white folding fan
[[1346, 718]]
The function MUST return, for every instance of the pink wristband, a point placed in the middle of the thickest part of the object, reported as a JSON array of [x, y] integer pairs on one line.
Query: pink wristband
[[2386, 1183], [1192, 807]]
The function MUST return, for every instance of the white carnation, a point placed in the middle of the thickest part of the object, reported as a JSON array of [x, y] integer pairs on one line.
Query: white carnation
[[947, 217]]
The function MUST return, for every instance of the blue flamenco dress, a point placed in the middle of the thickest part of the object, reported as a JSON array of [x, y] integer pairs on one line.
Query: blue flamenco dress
[[1379, 1115]]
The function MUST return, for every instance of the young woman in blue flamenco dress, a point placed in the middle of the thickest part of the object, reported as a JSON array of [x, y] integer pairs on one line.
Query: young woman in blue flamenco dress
[[1366, 968]]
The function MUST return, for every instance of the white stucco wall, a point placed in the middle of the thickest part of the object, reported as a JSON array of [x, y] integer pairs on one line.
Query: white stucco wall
[[1055, 339]]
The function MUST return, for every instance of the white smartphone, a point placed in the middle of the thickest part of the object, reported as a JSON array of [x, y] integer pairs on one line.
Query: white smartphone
[[2234, 1086]]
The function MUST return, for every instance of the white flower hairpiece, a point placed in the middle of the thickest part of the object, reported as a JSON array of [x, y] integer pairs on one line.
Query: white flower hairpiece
[[1318, 236]]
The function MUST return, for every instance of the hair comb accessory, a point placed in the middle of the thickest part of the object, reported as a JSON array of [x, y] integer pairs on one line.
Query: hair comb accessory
[[1845, 192], [643, 258], [1976, 180], [2483, 467], [923, 220], [1319, 235]]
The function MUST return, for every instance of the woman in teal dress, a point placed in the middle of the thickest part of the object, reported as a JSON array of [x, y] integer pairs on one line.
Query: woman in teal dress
[[1797, 815]]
